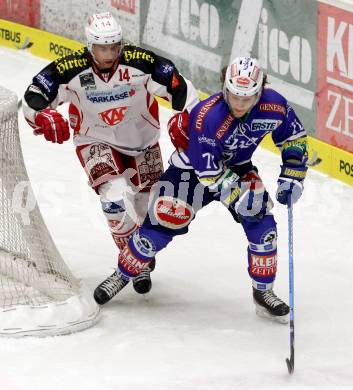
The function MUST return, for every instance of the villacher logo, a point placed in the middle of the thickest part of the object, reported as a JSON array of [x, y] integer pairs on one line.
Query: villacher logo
[[172, 213]]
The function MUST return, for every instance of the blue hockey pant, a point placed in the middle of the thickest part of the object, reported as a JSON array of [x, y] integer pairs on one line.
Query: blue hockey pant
[[176, 201]]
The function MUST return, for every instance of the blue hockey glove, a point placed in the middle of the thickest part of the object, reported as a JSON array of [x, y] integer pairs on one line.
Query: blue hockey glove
[[290, 183]]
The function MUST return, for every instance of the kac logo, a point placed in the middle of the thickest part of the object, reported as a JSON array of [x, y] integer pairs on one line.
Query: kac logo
[[113, 116]]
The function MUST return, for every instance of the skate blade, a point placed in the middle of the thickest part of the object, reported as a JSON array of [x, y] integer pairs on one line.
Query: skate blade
[[263, 313]]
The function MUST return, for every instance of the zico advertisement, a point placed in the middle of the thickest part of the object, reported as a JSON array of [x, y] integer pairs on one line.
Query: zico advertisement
[[21, 11], [335, 78], [203, 36]]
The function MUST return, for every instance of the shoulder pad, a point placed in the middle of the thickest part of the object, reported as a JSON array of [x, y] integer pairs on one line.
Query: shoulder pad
[[272, 102], [138, 57], [269, 94], [69, 66]]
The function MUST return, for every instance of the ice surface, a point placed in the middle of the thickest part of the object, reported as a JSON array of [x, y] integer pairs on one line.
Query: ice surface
[[197, 329]]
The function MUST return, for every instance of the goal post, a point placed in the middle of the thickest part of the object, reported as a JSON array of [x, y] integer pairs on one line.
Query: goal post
[[38, 293]]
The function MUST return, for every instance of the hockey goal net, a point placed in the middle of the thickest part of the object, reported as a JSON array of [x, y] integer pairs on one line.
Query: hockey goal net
[[38, 293]]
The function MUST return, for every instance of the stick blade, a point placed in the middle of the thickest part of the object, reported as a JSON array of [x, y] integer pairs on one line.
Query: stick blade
[[290, 365]]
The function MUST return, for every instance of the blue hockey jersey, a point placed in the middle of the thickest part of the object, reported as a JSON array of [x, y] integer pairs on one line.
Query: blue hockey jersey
[[218, 140]]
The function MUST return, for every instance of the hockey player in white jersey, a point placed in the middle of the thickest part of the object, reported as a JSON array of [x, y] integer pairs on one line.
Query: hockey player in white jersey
[[114, 117]]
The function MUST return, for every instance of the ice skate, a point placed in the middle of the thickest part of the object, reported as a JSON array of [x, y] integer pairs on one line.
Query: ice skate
[[109, 288], [142, 283], [268, 305]]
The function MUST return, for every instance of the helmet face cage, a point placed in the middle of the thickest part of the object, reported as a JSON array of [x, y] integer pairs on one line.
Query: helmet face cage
[[103, 29], [243, 77]]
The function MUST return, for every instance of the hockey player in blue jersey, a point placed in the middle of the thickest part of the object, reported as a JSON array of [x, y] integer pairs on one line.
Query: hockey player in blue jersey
[[220, 136]]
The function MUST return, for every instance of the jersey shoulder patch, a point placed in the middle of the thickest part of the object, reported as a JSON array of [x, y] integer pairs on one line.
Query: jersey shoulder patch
[[272, 102], [69, 66], [205, 110], [138, 57]]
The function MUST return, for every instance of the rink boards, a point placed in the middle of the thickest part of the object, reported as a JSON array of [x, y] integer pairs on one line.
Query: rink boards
[[331, 160]]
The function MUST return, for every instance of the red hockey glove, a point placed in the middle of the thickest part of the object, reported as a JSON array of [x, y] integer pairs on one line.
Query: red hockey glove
[[52, 124], [178, 129]]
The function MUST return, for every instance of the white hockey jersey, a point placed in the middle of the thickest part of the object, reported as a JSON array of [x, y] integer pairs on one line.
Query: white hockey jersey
[[117, 108]]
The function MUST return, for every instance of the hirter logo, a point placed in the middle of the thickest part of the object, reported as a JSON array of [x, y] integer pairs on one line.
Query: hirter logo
[[173, 213], [113, 116]]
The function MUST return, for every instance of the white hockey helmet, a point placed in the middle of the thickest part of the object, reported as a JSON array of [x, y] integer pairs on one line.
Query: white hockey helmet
[[243, 77], [103, 29]]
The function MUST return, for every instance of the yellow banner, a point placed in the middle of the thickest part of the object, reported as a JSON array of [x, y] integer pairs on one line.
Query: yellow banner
[[333, 161], [37, 42]]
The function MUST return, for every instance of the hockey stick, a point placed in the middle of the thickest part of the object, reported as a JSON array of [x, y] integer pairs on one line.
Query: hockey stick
[[290, 361], [315, 160]]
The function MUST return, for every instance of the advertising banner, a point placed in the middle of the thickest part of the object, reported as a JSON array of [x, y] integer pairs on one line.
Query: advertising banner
[[69, 18], [37, 42], [201, 37], [21, 11], [335, 77], [128, 12]]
